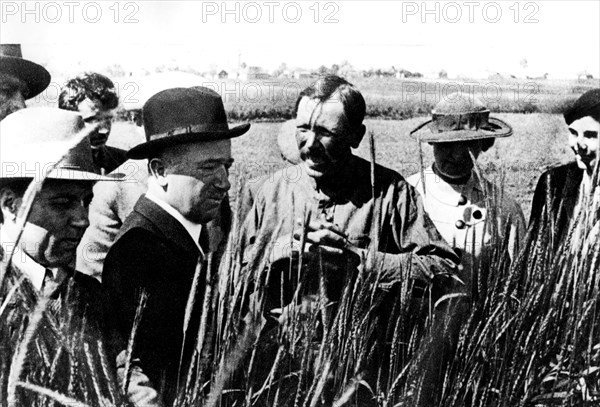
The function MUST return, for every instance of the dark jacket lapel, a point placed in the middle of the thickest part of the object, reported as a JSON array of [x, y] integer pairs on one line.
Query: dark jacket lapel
[[170, 227]]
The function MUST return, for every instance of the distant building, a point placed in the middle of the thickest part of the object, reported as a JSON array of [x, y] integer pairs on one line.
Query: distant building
[[255, 72], [223, 74], [302, 74]]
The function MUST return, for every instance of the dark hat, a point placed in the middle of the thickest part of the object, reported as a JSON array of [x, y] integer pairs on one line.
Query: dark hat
[[587, 105], [35, 76], [183, 115], [460, 118], [35, 139]]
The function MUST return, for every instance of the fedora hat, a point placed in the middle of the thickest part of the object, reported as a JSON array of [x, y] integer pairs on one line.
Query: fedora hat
[[183, 115], [36, 138], [35, 76], [460, 118]]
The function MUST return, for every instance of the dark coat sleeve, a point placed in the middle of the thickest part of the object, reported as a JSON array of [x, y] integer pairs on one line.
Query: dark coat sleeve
[[134, 264]]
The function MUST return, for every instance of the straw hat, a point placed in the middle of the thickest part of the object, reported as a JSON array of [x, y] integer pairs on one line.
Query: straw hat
[[36, 138], [460, 118]]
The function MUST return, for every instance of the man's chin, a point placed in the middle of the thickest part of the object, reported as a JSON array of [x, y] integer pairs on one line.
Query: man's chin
[[315, 171], [586, 165]]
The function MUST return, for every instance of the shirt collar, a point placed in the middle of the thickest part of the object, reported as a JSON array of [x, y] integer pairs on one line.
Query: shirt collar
[[24, 263], [451, 193], [194, 229]]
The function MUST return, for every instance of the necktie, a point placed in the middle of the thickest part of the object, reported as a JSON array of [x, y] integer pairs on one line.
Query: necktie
[[49, 285], [204, 240]]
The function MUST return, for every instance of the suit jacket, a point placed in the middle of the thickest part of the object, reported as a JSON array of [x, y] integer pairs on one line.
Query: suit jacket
[[113, 202], [558, 186], [71, 326], [155, 253]]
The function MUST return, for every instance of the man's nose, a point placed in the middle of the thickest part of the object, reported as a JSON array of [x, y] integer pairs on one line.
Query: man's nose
[[79, 218], [310, 139], [222, 179], [581, 145]]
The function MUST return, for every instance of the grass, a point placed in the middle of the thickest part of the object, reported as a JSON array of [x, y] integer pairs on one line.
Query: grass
[[387, 98]]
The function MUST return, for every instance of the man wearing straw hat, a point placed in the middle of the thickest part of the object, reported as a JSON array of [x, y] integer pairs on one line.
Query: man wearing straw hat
[[162, 248], [39, 233], [568, 187], [458, 199], [337, 216], [20, 79]]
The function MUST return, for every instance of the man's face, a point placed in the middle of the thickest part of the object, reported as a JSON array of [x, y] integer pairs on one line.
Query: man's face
[[452, 159], [583, 140], [323, 135], [11, 95], [197, 176], [57, 221], [94, 113]]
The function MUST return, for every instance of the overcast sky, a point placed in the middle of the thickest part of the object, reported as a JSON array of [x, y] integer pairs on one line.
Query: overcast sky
[[469, 37]]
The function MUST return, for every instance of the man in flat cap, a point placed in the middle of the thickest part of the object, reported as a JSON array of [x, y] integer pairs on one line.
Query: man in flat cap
[[567, 187], [94, 96], [20, 79], [35, 273], [162, 248]]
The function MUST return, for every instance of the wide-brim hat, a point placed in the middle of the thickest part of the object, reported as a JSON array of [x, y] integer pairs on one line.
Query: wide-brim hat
[[35, 76], [183, 115], [35, 139], [458, 117]]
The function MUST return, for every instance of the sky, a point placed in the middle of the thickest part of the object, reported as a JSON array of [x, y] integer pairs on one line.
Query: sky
[[471, 38]]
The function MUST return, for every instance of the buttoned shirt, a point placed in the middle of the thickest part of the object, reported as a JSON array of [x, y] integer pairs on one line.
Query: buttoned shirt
[[405, 234], [36, 273], [194, 229], [460, 214]]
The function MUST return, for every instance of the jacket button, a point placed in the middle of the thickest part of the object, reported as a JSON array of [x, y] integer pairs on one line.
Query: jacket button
[[462, 200], [460, 224], [477, 214]]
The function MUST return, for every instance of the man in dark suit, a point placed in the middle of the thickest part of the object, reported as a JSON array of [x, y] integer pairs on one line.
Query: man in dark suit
[[162, 247], [94, 96]]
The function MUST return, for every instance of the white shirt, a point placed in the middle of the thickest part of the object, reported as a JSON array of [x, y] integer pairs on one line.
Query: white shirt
[[459, 213], [25, 264], [194, 229]]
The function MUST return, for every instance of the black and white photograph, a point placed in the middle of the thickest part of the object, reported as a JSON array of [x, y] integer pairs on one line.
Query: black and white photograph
[[302, 203]]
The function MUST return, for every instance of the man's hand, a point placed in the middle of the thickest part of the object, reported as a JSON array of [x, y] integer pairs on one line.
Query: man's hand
[[323, 242]]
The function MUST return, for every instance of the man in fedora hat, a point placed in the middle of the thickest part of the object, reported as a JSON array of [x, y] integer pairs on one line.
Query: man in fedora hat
[[568, 187], [20, 79], [453, 194], [94, 96], [36, 257], [162, 248]]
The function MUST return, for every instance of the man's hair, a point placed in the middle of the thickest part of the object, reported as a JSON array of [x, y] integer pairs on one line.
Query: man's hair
[[588, 104], [325, 88], [90, 85]]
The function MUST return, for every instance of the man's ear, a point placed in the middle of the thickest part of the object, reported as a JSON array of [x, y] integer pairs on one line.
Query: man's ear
[[357, 136], [156, 167], [9, 204]]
